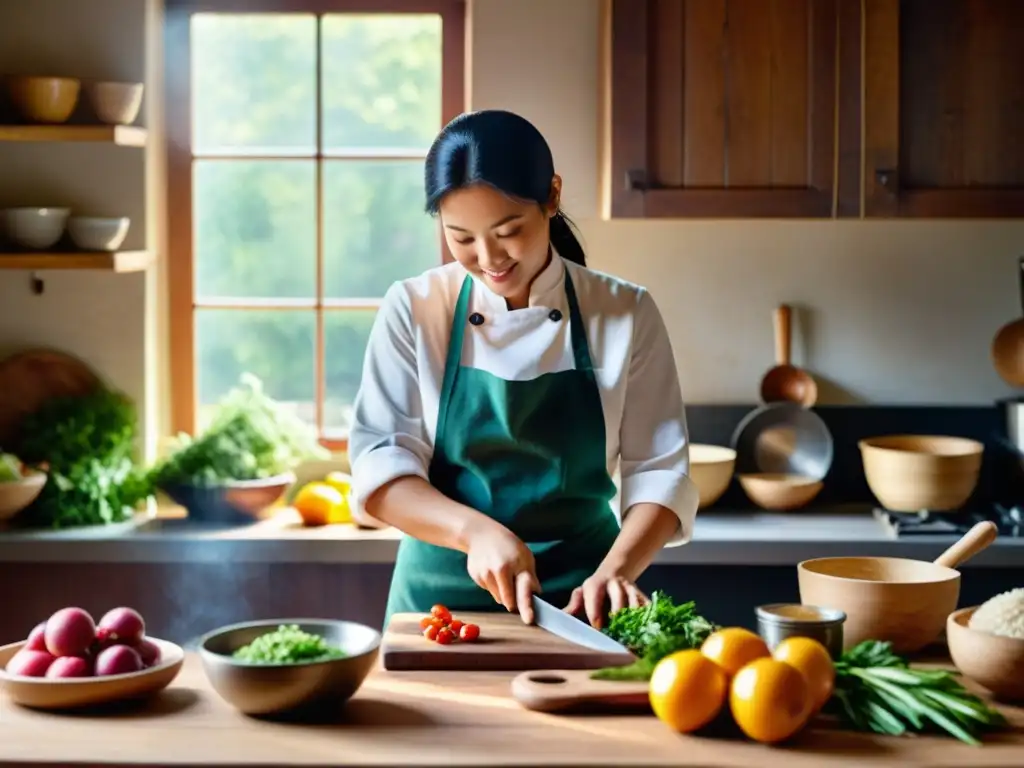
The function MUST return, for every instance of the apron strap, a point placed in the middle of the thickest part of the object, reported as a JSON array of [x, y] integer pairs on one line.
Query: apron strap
[[454, 357], [580, 348]]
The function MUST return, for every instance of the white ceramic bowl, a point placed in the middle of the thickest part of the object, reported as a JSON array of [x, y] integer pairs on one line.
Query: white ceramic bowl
[[96, 233], [115, 103], [37, 228]]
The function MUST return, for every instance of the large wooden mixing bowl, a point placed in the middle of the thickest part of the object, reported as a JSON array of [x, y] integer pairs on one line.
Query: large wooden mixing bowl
[[899, 600]]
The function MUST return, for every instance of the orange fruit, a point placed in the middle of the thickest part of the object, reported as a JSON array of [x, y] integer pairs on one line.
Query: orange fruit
[[770, 700], [687, 690], [733, 648], [317, 503], [812, 660]]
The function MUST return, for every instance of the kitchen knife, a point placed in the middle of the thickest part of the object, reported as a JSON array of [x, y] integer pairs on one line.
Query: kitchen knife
[[568, 627]]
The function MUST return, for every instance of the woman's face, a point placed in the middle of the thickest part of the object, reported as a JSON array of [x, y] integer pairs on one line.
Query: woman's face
[[502, 241]]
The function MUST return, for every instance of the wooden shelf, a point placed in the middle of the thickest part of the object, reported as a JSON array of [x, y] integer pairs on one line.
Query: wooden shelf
[[121, 135], [120, 261]]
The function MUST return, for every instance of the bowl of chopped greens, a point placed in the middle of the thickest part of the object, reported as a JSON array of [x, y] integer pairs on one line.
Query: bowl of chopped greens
[[288, 665]]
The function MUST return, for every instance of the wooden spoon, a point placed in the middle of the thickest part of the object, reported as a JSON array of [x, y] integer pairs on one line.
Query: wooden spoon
[[971, 543], [786, 382], [1008, 344]]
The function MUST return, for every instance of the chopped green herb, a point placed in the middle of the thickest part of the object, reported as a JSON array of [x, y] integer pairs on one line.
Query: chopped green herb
[[652, 632], [876, 690], [287, 645]]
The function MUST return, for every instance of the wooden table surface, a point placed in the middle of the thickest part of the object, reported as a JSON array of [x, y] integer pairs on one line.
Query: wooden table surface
[[453, 718]]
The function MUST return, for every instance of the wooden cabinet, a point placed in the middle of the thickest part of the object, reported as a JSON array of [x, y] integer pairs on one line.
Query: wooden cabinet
[[943, 108], [720, 108], [813, 108]]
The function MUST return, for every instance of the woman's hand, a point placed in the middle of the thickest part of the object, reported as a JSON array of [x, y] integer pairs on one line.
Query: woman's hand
[[591, 594], [501, 563]]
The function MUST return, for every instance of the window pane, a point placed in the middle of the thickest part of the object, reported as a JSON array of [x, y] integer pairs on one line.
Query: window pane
[[381, 81], [345, 335], [375, 228], [255, 228], [253, 83], [275, 345]]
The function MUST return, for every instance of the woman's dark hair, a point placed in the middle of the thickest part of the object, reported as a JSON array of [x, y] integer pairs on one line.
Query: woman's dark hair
[[505, 151]]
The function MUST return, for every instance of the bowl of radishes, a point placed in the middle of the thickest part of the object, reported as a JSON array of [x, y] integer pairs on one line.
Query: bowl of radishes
[[71, 660]]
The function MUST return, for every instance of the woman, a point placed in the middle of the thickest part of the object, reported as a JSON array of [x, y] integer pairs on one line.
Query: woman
[[501, 391]]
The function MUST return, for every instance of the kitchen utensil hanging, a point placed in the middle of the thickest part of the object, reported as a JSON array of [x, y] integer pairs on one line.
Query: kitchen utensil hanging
[[1008, 344], [786, 382]]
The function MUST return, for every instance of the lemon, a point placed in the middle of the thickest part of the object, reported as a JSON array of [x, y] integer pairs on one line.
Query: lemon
[[343, 483], [319, 504]]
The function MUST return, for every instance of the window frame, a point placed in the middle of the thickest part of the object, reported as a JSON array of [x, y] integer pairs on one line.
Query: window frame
[[178, 101]]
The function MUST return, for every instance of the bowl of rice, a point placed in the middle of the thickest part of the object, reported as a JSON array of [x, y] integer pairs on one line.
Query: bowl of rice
[[986, 643]]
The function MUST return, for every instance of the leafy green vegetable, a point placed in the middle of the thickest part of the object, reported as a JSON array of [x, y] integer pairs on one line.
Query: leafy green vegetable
[[87, 445], [287, 645], [877, 690], [251, 436], [10, 468], [652, 632]]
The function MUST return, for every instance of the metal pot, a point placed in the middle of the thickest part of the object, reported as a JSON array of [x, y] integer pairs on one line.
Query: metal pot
[[1013, 411]]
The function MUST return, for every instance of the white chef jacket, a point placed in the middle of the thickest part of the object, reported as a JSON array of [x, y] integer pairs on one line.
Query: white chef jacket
[[646, 437]]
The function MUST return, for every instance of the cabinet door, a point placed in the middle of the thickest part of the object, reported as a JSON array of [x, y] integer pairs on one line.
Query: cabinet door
[[944, 108], [719, 108]]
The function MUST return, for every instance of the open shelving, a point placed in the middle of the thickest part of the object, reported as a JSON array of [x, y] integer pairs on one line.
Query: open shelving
[[117, 261], [119, 135]]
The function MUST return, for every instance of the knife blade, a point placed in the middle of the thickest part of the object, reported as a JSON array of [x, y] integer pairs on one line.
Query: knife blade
[[568, 627]]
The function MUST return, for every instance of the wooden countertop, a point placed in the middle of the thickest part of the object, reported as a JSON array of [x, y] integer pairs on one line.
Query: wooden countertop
[[453, 718]]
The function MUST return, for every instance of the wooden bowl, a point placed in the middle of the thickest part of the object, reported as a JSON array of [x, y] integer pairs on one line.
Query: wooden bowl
[[909, 473], [903, 601], [771, 490], [44, 99], [17, 495], [711, 468], [992, 661], [75, 693]]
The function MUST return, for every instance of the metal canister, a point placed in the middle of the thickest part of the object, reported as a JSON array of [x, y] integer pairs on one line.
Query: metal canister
[[779, 621]]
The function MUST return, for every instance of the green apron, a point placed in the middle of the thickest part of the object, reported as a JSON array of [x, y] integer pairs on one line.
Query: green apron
[[528, 454]]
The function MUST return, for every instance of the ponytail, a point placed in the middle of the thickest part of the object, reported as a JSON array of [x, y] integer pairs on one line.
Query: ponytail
[[565, 241]]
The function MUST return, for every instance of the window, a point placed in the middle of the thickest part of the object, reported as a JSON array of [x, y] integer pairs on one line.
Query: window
[[297, 131]]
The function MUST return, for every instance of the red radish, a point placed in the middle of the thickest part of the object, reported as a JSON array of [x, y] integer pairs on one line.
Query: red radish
[[117, 660], [36, 638], [29, 663], [69, 632], [68, 666], [123, 625], [148, 651]]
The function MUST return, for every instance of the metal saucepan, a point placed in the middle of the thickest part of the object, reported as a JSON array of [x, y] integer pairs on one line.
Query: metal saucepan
[[785, 382], [1008, 344], [899, 600], [783, 439]]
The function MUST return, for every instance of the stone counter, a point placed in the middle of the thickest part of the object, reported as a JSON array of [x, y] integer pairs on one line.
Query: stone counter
[[721, 537]]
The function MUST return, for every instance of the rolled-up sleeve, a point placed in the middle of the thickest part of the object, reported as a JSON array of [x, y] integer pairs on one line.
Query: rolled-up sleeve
[[654, 442], [388, 438]]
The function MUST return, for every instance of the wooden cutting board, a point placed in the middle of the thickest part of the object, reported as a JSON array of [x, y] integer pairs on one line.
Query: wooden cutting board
[[569, 689], [505, 644]]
